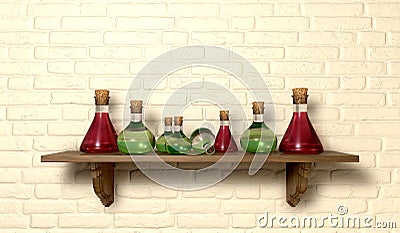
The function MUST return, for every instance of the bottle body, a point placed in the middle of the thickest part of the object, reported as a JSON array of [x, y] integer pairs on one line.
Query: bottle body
[[100, 137], [161, 143], [178, 143], [300, 136], [224, 141], [136, 138], [202, 141], [258, 138]]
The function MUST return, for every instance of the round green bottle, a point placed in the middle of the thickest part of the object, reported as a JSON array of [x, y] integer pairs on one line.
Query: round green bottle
[[161, 143], [178, 143]]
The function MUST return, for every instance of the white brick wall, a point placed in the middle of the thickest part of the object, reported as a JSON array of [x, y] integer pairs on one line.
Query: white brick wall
[[53, 55]]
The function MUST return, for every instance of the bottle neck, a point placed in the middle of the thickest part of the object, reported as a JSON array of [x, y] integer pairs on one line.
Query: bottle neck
[[299, 107], [136, 117], [101, 108], [168, 128], [177, 128], [258, 118], [224, 123]]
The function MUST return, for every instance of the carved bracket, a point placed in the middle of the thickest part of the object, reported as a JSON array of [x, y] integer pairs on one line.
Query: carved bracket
[[103, 181], [296, 181]]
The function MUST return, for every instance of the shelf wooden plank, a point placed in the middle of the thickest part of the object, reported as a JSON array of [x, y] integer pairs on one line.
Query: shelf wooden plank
[[275, 157]]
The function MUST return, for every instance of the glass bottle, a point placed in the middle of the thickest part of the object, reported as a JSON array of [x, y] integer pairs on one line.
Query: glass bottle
[[300, 136], [100, 138], [258, 138], [161, 143], [224, 141], [136, 138], [178, 143], [202, 141]]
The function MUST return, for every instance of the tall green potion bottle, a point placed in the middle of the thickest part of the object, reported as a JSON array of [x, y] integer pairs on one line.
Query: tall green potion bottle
[[136, 138], [178, 143], [258, 137], [161, 143]]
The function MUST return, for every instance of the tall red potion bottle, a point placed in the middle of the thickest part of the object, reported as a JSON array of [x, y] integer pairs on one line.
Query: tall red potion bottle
[[101, 136], [300, 136], [224, 141]]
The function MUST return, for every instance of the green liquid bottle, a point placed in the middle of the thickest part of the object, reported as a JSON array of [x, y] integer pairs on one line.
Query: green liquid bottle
[[258, 137], [161, 143], [136, 138], [178, 143]]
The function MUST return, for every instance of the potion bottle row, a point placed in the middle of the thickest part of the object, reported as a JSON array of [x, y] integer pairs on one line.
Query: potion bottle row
[[136, 138]]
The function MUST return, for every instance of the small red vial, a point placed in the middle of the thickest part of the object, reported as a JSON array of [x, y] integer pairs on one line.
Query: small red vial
[[224, 141]]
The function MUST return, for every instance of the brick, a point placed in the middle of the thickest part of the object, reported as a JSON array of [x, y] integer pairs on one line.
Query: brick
[[115, 52], [137, 9], [377, 129], [243, 221], [67, 129], [21, 53], [287, 9], [385, 53], [84, 220], [23, 68], [16, 143], [57, 144], [327, 38], [390, 190], [124, 205], [18, 98], [202, 221], [391, 144], [330, 206], [46, 176], [90, 205], [248, 191], [23, 38], [208, 23], [145, 23], [47, 23], [247, 206], [394, 68], [297, 68], [372, 38], [220, 191], [394, 38], [282, 23], [387, 24], [3, 53], [315, 83], [334, 129], [93, 9], [16, 23], [87, 23], [193, 9], [49, 206], [10, 206], [60, 52], [57, 82], [386, 205], [388, 160], [194, 206], [394, 99], [355, 68], [48, 191], [52, 9], [383, 10], [29, 129], [370, 113], [89, 67], [333, 9], [348, 191], [80, 98], [43, 220], [15, 159], [80, 38], [9, 175], [360, 176], [242, 23], [352, 83], [277, 38], [252, 9], [113, 83], [144, 220], [76, 191], [130, 38], [13, 9], [220, 38], [14, 221], [347, 144], [30, 113], [174, 38], [312, 53], [259, 52], [353, 53], [380, 83], [6, 129], [61, 67], [340, 23]]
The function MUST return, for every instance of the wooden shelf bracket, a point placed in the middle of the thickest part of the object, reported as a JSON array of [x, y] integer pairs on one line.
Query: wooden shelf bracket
[[297, 175], [103, 181]]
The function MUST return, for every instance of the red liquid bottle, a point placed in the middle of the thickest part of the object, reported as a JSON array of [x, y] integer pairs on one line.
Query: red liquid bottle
[[300, 136], [224, 141], [101, 136]]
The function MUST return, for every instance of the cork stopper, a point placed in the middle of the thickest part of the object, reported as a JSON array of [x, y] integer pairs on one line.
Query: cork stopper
[[224, 115], [178, 120], [136, 106], [168, 121], [101, 97], [258, 107], [300, 95]]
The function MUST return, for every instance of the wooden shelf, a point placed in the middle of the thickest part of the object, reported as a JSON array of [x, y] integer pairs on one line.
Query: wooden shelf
[[298, 167]]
